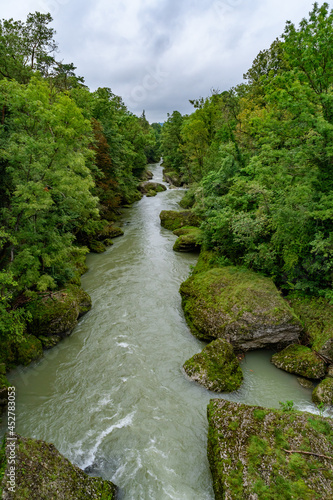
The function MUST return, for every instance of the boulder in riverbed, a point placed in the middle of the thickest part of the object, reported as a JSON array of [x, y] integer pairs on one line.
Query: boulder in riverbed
[[239, 305], [300, 360], [174, 219], [151, 188], [260, 453], [216, 367], [42, 473], [188, 239], [323, 393]]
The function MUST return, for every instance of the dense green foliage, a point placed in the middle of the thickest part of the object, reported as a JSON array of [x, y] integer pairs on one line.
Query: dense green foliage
[[68, 159], [261, 157]]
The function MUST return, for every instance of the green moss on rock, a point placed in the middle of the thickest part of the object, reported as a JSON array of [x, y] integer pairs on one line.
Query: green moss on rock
[[28, 350], [239, 305], [316, 314], [174, 219], [96, 246], [323, 393], [57, 313], [300, 360], [43, 473], [188, 199], [216, 367], [248, 458], [172, 177], [151, 188], [4, 384], [189, 239]]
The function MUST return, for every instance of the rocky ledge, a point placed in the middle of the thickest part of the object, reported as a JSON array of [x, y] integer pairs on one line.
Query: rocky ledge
[[42, 473], [151, 188], [216, 367], [189, 239], [240, 306], [258, 453], [175, 219]]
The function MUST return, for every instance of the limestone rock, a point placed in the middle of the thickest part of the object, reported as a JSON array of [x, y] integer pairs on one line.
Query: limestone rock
[[43, 473], [174, 219], [327, 349], [323, 393], [172, 178], [300, 360], [246, 452], [216, 367], [239, 305]]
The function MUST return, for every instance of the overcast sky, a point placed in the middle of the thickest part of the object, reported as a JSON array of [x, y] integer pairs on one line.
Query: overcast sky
[[158, 54]]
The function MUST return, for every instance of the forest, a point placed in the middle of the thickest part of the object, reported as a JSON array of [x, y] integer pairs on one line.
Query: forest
[[69, 158], [257, 158], [259, 161]]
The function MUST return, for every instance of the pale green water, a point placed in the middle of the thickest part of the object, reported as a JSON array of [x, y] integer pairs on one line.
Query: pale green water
[[113, 397]]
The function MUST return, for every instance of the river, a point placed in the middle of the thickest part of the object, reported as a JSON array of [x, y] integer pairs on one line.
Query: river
[[112, 397]]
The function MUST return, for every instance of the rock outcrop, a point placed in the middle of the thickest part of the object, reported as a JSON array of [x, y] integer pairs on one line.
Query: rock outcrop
[[151, 188], [175, 219], [240, 306], [173, 178], [188, 239], [300, 360], [56, 314], [216, 367], [42, 473], [258, 453]]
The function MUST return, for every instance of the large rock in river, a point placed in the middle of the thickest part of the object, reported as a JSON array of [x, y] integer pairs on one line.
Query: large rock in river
[[174, 219], [42, 473], [216, 367], [259, 454], [189, 239], [239, 305], [300, 360]]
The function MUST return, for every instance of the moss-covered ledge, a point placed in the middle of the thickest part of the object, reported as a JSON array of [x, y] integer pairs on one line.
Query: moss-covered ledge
[[260, 453], [300, 360], [42, 473], [175, 219], [239, 305], [189, 239]]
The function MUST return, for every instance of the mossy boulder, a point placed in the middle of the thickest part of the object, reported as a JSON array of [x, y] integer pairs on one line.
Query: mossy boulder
[[174, 219], [188, 200], [216, 367], [111, 231], [300, 360], [189, 239], [49, 342], [108, 242], [151, 188], [323, 393], [96, 246], [256, 453], [173, 178], [239, 305], [316, 314], [57, 313], [43, 473], [28, 350]]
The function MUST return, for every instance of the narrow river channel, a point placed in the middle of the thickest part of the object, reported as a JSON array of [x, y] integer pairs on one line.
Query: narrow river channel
[[113, 397]]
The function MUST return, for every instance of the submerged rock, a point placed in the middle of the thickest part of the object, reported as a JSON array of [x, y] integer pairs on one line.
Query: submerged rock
[[174, 219], [256, 453], [300, 360], [304, 382], [42, 473], [57, 313], [323, 393], [239, 305], [188, 239], [216, 367]]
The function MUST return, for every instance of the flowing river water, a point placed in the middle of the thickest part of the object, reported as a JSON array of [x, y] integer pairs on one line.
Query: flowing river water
[[112, 397]]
